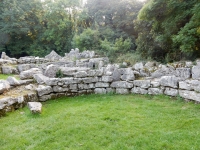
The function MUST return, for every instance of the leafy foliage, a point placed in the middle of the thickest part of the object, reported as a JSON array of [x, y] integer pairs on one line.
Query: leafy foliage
[[169, 29]]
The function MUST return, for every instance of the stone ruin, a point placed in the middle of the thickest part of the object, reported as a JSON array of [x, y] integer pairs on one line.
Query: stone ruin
[[84, 73]]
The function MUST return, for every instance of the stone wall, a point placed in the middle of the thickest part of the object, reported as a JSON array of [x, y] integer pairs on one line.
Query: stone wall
[[87, 74]]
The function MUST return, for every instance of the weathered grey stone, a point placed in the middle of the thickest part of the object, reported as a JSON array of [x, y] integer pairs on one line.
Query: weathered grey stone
[[51, 71], [171, 92], [24, 67], [73, 87], [35, 107], [155, 91], [44, 90], [80, 74], [13, 81], [122, 91], [28, 74], [109, 69], [53, 56], [188, 64], [196, 72], [188, 84], [106, 79], [138, 90], [60, 89], [52, 81], [110, 90], [83, 86], [4, 56], [169, 81], [144, 73], [90, 80], [128, 74], [183, 73], [101, 84], [69, 80], [100, 91], [121, 84], [116, 74], [192, 95], [150, 64], [32, 97], [25, 82], [6, 69], [155, 83], [138, 66], [40, 78], [47, 97], [163, 71], [142, 83], [4, 86], [91, 86]]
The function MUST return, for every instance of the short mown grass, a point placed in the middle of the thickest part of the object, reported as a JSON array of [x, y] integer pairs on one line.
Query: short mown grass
[[104, 122], [5, 76]]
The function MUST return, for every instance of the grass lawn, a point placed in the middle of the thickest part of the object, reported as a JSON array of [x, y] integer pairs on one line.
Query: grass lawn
[[104, 122], [5, 76]]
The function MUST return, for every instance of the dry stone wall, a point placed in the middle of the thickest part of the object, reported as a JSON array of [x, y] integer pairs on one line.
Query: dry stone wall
[[88, 74]]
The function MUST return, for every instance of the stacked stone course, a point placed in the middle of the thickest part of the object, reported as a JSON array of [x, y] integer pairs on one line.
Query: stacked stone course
[[87, 74]]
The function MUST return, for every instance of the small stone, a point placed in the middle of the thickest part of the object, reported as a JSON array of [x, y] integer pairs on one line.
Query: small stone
[[35, 107]]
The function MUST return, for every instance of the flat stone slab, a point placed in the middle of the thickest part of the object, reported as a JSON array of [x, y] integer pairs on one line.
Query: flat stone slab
[[35, 107]]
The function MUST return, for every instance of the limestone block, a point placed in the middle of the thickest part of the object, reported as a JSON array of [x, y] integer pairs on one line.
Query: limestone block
[[155, 91], [121, 84], [13, 81], [40, 78], [52, 81], [169, 81], [106, 79], [44, 90], [4, 86], [60, 89], [28, 74], [90, 80], [196, 72], [80, 74], [155, 83], [100, 91], [183, 73], [122, 91], [142, 83], [138, 66], [171, 92], [83, 86], [101, 84], [138, 90], [73, 87], [192, 95], [35, 107], [116, 74], [51, 71]]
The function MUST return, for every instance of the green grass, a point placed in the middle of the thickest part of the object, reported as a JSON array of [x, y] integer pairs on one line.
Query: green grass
[[104, 122], [5, 76]]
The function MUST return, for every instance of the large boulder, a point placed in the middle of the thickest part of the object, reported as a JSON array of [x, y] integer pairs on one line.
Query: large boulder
[[155, 91], [101, 84], [4, 86], [122, 91], [24, 67], [8, 70], [35, 107], [138, 66], [28, 74], [53, 56]]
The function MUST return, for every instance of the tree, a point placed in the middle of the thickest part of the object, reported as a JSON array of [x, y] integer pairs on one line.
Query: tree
[[163, 21]]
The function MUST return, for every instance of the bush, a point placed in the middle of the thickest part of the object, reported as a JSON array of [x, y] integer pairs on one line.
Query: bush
[[59, 74]]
